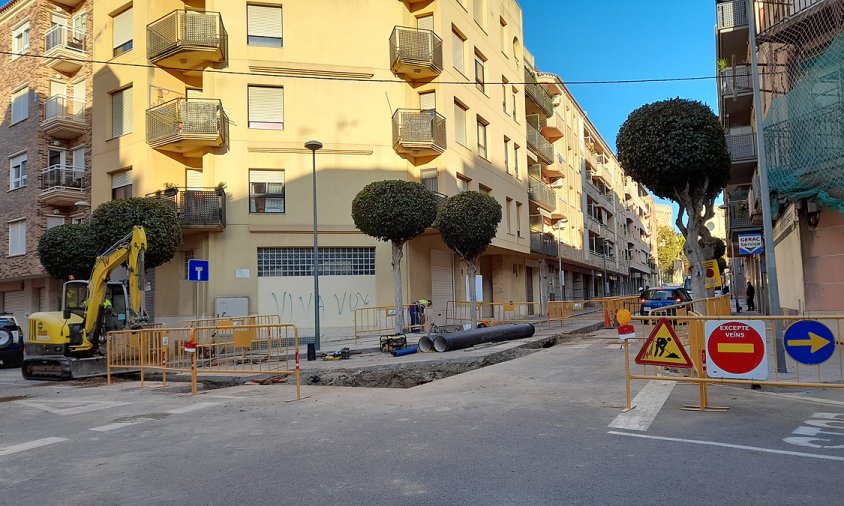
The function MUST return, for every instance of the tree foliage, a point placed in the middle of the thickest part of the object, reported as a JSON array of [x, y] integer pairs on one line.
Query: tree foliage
[[468, 222], [113, 220], [669, 248], [394, 210], [678, 150], [68, 250]]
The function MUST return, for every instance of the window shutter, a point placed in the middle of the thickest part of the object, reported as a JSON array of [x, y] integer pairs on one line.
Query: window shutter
[[428, 101], [20, 105], [119, 179], [264, 21], [457, 51], [121, 112], [425, 23], [193, 179], [17, 238], [122, 28], [266, 107], [460, 124]]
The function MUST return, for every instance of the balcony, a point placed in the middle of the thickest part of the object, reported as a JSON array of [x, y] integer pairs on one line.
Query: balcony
[[416, 53], [737, 80], [539, 145], [783, 20], [537, 94], [599, 196], [418, 133], [541, 194], [197, 209], [63, 118], [742, 147], [64, 49], [731, 14], [740, 213], [190, 126], [187, 40], [62, 185], [441, 198], [542, 243]]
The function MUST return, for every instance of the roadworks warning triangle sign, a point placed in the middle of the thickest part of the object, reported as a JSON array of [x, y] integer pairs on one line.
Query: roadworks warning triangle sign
[[663, 348]]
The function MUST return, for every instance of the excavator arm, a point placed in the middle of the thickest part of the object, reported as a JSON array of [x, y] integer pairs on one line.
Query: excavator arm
[[130, 250]]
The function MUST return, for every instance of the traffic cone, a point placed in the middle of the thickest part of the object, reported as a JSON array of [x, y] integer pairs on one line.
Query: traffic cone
[[607, 322]]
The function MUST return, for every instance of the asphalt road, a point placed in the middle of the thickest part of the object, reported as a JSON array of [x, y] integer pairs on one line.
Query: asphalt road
[[542, 429]]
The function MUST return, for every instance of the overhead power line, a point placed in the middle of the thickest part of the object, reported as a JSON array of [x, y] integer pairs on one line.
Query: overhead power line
[[360, 79]]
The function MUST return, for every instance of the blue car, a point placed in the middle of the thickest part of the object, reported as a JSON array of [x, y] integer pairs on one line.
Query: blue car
[[11, 343], [655, 298]]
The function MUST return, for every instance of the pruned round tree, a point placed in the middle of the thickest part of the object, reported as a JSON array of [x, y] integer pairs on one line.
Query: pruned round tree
[[677, 149], [113, 220], [394, 211], [468, 223], [68, 250]]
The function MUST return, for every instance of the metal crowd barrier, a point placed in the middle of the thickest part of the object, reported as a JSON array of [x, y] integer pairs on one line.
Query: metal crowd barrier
[[382, 319], [781, 369], [235, 350], [560, 310], [492, 313], [228, 321]]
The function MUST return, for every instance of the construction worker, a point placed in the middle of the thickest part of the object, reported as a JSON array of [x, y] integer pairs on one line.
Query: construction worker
[[109, 314], [417, 314]]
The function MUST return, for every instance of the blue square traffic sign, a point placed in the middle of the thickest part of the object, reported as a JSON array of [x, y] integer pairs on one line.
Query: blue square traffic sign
[[750, 244], [198, 270]]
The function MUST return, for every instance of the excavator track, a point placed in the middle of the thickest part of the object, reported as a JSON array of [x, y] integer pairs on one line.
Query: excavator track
[[60, 368]]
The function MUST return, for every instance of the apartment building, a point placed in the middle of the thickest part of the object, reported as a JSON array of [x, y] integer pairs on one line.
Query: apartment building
[[799, 47], [45, 139], [664, 215]]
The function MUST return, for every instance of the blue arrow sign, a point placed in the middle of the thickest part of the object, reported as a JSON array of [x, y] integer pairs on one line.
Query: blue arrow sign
[[809, 342], [198, 270]]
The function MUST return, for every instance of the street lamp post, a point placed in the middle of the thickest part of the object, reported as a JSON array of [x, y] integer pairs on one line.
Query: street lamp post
[[314, 146]]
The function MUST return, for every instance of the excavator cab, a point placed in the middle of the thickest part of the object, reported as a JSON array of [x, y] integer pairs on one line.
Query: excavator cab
[[76, 295]]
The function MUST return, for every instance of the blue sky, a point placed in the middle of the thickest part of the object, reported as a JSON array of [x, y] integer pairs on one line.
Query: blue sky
[[624, 39]]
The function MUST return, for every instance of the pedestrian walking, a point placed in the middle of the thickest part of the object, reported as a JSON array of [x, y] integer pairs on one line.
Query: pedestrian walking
[[750, 293]]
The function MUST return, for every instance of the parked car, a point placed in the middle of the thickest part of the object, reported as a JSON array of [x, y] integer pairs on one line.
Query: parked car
[[655, 298], [11, 342]]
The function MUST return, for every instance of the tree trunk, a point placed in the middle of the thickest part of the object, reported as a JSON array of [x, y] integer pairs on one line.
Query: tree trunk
[[692, 231], [473, 307], [397, 256]]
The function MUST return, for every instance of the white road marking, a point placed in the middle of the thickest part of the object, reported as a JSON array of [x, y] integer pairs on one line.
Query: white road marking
[[613, 346], [75, 406], [9, 450], [728, 445], [648, 402], [119, 425], [581, 346], [192, 407]]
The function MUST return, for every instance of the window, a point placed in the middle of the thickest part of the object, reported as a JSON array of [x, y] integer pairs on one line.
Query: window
[[266, 107], [515, 106], [518, 219], [462, 183], [121, 112], [506, 154], [516, 156], [274, 262], [503, 36], [479, 71], [20, 40], [17, 238], [121, 32], [17, 172], [264, 26], [479, 12], [121, 185], [429, 179], [509, 212], [187, 256], [20, 105], [504, 93], [484, 189], [460, 124], [458, 50], [54, 221], [482, 151], [266, 191]]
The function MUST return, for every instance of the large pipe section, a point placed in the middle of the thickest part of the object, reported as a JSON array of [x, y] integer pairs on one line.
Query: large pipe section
[[473, 337]]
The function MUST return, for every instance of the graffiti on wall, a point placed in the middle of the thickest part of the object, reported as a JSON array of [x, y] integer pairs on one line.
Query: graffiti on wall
[[290, 305]]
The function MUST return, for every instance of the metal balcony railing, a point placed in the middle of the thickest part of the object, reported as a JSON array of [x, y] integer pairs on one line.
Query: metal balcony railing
[[742, 147], [540, 193], [539, 145], [537, 94], [185, 30], [415, 129], [774, 12], [731, 14], [739, 213], [61, 36], [735, 80], [62, 176], [542, 243], [185, 119], [63, 108], [197, 208], [440, 198], [415, 47]]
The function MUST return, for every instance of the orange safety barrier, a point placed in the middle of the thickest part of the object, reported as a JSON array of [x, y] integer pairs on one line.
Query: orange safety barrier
[[380, 320], [560, 310], [228, 321]]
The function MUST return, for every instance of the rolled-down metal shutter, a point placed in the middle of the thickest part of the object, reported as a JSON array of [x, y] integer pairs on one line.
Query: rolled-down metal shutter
[[13, 302]]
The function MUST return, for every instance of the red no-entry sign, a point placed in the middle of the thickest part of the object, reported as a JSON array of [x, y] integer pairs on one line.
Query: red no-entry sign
[[736, 349]]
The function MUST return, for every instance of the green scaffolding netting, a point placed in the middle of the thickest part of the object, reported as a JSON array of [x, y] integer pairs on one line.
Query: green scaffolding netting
[[804, 130]]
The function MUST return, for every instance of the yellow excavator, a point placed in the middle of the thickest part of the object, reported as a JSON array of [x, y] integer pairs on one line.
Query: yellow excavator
[[70, 344]]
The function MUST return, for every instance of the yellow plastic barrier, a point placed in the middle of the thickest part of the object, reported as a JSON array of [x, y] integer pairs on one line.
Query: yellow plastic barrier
[[224, 349], [380, 320]]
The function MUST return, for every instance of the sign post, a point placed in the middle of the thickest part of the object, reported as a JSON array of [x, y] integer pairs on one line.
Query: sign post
[[198, 272]]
